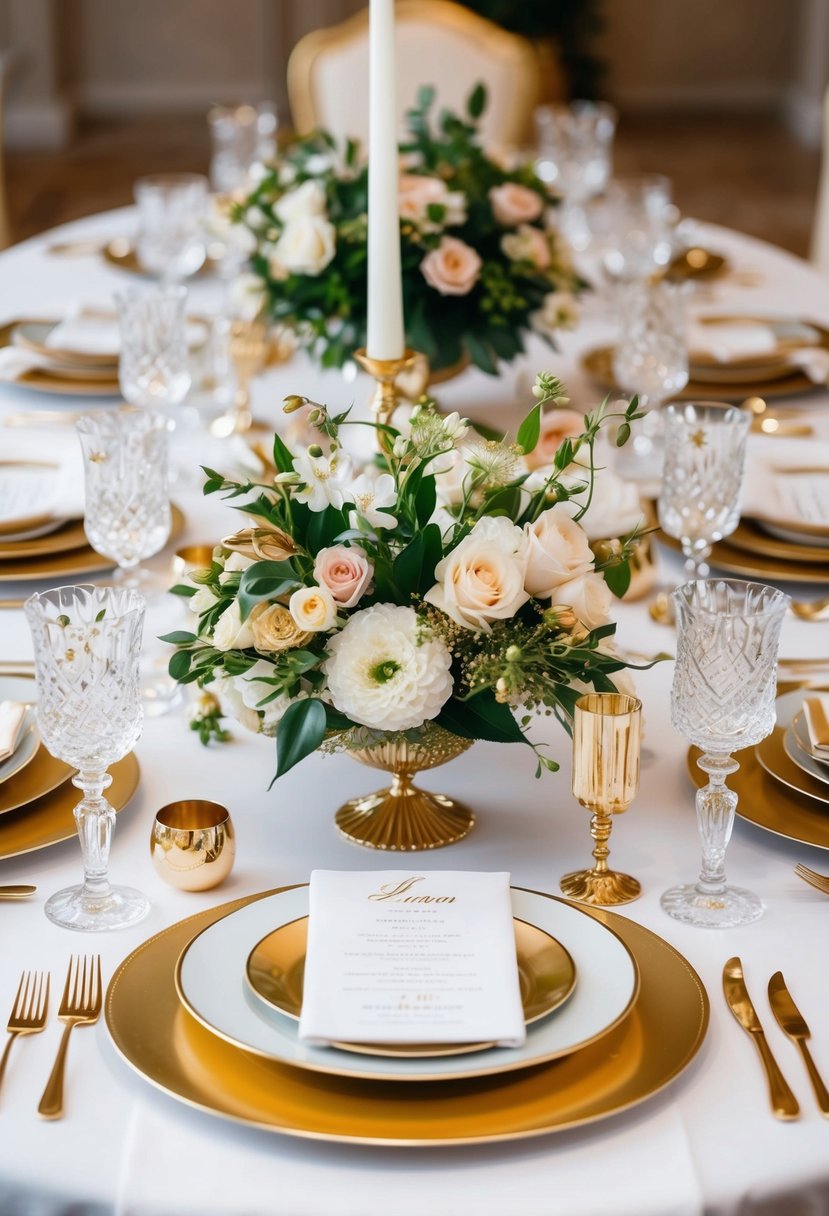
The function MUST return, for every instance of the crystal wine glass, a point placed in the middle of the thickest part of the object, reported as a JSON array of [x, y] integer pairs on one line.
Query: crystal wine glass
[[705, 452], [722, 700], [127, 512], [154, 368], [607, 732], [87, 641], [171, 208], [575, 144]]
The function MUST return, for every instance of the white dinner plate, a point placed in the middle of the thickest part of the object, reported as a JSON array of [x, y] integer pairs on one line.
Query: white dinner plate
[[210, 979], [20, 688], [797, 744]]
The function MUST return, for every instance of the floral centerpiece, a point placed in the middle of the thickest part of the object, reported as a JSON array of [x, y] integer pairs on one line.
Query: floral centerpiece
[[446, 592], [481, 261]]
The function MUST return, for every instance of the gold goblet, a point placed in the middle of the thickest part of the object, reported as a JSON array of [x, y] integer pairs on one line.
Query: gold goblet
[[607, 729]]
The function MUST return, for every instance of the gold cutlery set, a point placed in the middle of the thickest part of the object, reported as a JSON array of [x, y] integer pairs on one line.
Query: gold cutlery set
[[784, 1104], [80, 1005]]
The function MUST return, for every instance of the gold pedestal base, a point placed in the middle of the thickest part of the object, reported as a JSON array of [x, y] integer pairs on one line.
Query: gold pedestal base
[[404, 818], [601, 888]]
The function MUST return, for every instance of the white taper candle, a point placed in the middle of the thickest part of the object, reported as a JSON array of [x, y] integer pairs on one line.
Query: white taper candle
[[385, 338]]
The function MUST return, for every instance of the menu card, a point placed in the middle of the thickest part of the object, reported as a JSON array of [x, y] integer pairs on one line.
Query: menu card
[[411, 956]]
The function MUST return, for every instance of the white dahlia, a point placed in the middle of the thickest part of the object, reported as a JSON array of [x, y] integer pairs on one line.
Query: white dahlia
[[382, 674]]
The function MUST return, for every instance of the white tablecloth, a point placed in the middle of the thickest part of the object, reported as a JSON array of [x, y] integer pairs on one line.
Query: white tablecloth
[[707, 1144]]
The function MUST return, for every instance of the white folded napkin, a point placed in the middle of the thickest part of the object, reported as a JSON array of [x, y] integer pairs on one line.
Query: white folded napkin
[[87, 331], [728, 341], [35, 490], [784, 481], [12, 716], [816, 711], [411, 956], [813, 361], [15, 362]]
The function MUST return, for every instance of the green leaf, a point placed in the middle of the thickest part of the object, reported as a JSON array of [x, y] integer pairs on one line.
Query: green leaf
[[476, 102], [179, 664], [530, 430], [479, 354], [481, 717], [264, 581], [300, 731], [622, 435], [618, 578], [425, 96], [425, 500], [182, 589], [414, 567], [177, 638], [282, 457]]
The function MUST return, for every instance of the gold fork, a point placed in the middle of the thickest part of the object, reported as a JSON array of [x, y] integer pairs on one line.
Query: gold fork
[[28, 1015], [249, 347], [80, 1005], [819, 881]]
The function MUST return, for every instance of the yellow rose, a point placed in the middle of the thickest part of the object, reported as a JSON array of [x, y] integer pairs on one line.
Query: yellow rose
[[274, 628]]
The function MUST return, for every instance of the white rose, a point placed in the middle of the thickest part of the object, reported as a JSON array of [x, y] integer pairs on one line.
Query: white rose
[[202, 600], [482, 579], [252, 689], [615, 508], [314, 609], [230, 632], [227, 690], [589, 596], [555, 549], [306, 246], [308, 199]]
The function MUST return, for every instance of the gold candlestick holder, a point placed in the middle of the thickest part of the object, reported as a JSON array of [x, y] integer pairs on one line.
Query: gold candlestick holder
[[387, 396], [607, 731]]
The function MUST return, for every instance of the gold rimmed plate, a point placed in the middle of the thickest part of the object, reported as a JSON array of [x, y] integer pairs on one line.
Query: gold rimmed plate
[[598, 364], [752, 538], [790, 335], [84, 560], [157, 1037], [121, 252], [42, 380], [67, 536], [774, 758], [34, 336], [732, 560], [275, 970], [50, 819], [803, 758]]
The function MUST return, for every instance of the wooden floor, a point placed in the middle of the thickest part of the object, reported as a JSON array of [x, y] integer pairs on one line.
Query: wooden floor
[[748, 173]]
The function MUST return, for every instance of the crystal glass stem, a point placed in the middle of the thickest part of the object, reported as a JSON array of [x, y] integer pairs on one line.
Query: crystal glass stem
[[95, 819], [716, 805], [696, 554]]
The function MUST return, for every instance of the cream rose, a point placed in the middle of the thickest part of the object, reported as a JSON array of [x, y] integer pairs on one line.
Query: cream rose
[[346, 572], [513, 204], [314, 609], [231, 632], [204, 599], [556, 426], [274, 629], [528, 244], [452, 268], [307, 200], [482, 579], [615, 507], [306, 245], [417, 191], [589, 596], [555, 550]]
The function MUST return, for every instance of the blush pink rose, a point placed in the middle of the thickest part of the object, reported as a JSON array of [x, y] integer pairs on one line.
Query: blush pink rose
[[528, 244], [345, 572], [513, 204], [556, 426], [452, 268]]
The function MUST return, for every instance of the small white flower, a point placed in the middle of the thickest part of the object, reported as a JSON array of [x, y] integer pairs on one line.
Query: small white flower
[[455, 426], [369, 496], [255, 217], [230, 632], [252, 689], [383, 674], [323, 480], [204, 599], [314, 609], [558, 311]]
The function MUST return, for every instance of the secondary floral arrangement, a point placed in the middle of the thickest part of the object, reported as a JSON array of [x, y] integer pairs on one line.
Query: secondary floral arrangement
[[481, 261], [449, 584]]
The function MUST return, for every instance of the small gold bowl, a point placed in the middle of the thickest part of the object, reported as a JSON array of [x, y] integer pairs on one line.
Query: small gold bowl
[[193, 845], [191, 557]]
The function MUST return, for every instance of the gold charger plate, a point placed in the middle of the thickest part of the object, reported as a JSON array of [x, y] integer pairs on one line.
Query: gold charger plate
[[729, 558], [121, 252], [769, 804], [777, 762], [66, 537], [76, 561], [158, 1038], [751, 538], [275, 970], [598, 364], [40, 777], [50, 819], [42, 381]]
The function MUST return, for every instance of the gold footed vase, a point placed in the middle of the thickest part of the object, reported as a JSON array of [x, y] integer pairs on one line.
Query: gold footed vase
[[402, 817]]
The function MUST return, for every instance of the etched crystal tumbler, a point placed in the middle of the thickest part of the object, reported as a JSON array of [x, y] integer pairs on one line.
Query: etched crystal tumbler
[[722, 699], [705, 454], [87, 641]]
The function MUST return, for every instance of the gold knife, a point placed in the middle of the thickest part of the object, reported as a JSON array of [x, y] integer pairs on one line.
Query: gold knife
[[791, 1022], [16, 892], [783, 1102]]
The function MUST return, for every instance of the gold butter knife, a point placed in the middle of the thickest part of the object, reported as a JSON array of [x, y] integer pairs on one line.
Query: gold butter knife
[[20, 892], [783, 1102], [791, 1022]]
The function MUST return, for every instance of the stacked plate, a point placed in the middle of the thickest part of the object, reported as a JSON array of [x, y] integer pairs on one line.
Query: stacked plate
[[782, 785], [37, 796], [735, 357], [207, 1011], [48, 366]]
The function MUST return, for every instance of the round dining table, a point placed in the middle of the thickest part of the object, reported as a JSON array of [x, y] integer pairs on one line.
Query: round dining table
[[706, 1143]]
